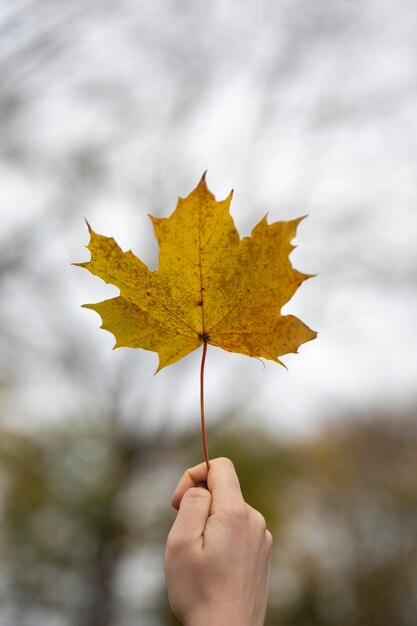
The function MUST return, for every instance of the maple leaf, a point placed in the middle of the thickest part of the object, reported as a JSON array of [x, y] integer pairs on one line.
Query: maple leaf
[[210, 286]]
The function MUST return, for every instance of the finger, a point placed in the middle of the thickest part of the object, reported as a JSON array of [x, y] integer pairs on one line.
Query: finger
[[224, 485], [222, 481], [191, 478], [192, 515]]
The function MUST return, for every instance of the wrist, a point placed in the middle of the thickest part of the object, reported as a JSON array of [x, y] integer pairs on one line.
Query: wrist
[[216, 619], [220, 616]]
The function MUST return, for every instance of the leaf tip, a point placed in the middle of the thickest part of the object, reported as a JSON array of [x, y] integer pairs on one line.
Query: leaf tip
[[261, 361], [90, 230], [158, 369], [282, 364], [300, 219], [203, 183]]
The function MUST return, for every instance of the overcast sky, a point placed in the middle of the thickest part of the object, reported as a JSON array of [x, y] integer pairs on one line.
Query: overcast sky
[[113, 110]]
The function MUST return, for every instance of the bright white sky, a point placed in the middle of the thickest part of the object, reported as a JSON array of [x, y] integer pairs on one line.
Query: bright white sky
[[112, 110]]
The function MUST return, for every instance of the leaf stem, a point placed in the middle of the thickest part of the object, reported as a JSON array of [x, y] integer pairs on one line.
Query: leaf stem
[[203, 425]]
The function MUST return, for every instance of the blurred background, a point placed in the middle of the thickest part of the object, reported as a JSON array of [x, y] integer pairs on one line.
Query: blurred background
[[110, 111]]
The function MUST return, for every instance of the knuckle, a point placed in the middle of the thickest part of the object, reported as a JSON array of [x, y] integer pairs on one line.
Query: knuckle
[[176, 542], [258, 519], [239, 513]]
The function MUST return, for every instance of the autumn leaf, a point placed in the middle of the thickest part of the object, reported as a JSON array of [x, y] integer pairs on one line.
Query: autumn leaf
[[210, 286]]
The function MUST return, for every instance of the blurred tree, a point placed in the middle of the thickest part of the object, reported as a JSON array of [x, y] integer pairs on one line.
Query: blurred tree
[[64, 532], [79, 506]]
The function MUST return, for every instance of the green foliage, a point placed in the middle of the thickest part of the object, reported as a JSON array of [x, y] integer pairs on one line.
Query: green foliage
[[78, 505]]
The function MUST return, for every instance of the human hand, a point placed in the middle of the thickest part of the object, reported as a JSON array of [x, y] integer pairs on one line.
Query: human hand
[[218, 551]]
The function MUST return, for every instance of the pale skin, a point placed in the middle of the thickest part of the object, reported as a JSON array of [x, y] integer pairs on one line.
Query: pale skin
[[218, 551]]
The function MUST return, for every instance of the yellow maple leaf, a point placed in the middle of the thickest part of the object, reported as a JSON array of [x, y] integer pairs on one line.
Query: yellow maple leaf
[[210, 286]]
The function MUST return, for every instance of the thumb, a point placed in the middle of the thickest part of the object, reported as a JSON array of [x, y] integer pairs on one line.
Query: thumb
[[192, 515]]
